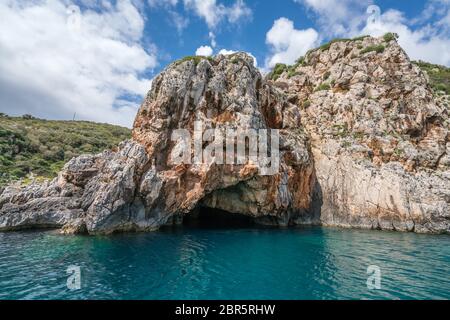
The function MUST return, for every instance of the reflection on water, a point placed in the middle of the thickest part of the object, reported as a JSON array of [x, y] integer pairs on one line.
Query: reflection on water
[[198, 262]]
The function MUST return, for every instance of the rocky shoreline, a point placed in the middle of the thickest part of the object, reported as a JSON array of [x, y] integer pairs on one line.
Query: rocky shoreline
[[363, 143]]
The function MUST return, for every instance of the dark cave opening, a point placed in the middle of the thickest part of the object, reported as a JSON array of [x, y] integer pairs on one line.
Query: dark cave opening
[[210, 218]]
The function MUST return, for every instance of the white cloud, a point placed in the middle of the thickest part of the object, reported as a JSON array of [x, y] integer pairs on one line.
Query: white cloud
[[287, 43], [204, 51], [337, 17], [55, 62], [213, 13], [226, 52], [426, 37], [212, 36], [438, 10], [155, 3], [237, 11], [425, 43], [180, 22]]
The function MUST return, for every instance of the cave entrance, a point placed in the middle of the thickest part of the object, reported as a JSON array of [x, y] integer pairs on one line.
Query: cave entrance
[[210, 218]]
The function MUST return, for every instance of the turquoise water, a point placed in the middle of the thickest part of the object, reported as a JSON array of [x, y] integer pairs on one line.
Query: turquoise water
[[226, 263]]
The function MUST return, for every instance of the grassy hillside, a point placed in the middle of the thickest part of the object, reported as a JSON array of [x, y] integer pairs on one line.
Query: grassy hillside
[[439, 76], [30, 145]]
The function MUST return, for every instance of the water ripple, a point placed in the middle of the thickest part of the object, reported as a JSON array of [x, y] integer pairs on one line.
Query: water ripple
[[239, 263]]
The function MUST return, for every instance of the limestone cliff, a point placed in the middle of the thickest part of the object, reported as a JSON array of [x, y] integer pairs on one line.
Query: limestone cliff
[[363, 143], [379, 138], [139, 188]]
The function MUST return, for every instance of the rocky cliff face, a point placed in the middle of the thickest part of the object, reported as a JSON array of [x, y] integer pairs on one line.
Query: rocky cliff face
[[138, 187], [363, 143], [379, 139]]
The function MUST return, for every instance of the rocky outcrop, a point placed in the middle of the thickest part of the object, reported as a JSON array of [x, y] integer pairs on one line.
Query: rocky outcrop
[[139, 187], [379, 138], [362, 143], [227, 92], [92, 193]]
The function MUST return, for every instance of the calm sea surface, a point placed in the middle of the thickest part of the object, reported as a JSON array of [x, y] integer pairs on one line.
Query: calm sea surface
[[228, 262]]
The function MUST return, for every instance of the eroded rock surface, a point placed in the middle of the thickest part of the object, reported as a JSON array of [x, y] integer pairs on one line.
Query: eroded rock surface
[[379, 137], [92, 193], [138, 187], [363, 143]]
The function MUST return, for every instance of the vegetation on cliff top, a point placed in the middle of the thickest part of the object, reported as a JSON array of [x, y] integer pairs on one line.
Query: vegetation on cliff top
[[280, 68], [30, 145], [196, 59], [377, 48], [439, 76]]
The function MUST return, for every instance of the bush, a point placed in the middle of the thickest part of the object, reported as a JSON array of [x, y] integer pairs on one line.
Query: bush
[[327, 46], [439, 76], [323, 86], [196, 59], [388, 37], [300, 61], [377, 48], [293, 73], [306, 104], [42, 146], [277, 71], [440, 87]]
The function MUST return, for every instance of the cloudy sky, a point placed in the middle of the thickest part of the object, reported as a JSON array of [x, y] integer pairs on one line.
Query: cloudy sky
[[95, 58]]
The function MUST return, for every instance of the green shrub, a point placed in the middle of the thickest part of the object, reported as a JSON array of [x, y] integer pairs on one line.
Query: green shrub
[[341, 130], [300, 61], [327, 45], [346, 144], [359, 38], [439, 76], [293, 73], [377, 48], [28, 116], [306, 104], [388, 37], [43, 146], [196, 59], [277, 71], [440, 87], [323, 86]]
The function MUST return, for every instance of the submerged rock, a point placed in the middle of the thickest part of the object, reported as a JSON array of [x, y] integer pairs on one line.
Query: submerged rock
[[362, 143]]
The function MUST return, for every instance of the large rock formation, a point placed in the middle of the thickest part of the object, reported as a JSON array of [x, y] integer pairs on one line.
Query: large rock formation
[[380, 141], [139, 187], [363, 143]]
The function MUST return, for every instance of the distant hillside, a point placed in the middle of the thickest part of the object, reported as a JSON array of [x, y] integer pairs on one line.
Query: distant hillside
[[30, 145], [439, 76]]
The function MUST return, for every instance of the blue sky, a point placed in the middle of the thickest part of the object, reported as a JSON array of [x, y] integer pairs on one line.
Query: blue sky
[[96, 58], [249, 34]]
